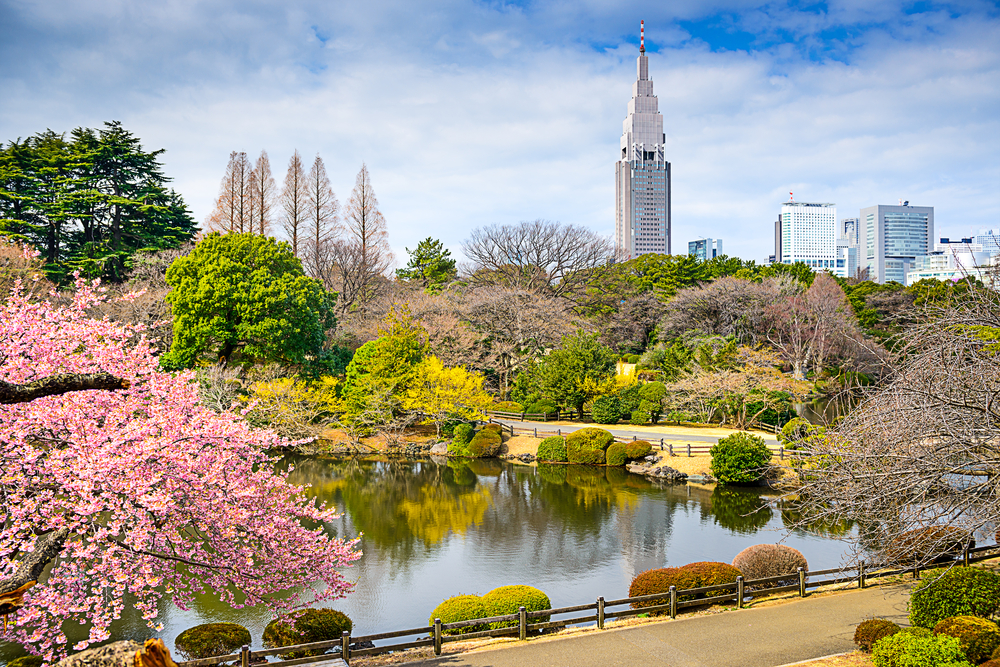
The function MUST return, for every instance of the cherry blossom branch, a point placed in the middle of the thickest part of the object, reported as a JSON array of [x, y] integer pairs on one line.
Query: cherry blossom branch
[[181, 559], [58, 384]]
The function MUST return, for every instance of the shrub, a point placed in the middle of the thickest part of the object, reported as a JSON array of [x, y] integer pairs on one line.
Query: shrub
[[652, 582], [508, 599], [794, 432], [960, 591], [693, 575], [587, 445], [770, 560], [457, 448], [552, 448], [27, 661], [542, 407], [639, 417], [463, 434], [870, 631], [311, 625], [928, 544], [905, 649], [988, 663], [495, 428], [606, 409], [632, 359], [652, 395], [739, 458], [918, 631], [676, 416], [485, 444], [460, 608], [979, 637], [211, 639], [508, 406], [708, 573], [637, 449], [615, 456]]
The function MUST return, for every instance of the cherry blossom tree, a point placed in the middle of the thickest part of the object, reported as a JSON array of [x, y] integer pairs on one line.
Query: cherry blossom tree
[[114, 477]]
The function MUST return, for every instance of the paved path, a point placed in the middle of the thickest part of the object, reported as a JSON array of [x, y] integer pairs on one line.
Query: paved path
[[761, 637], [650, 436]]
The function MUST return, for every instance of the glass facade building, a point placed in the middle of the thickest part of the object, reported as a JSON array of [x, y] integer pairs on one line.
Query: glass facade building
[[894, 237], [704, 249], [808, 234]]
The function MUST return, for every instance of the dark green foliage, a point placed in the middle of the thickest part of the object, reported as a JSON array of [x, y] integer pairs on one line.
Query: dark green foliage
[[639, 417], [632, 359], [460, 608], [430, 264], [740, 458], [485, 444], [552, 448], [245, 294], [979, 637], [629, 399], [905, 649], [615, 455], [211, 639], [587, 445], [959, 591], [542, 407], [653, 395], [508, 599], [507, 406], [311, 625], [26, 661], [463, 433], [637, 449], [870, 631], [562, 372], [606, 409]]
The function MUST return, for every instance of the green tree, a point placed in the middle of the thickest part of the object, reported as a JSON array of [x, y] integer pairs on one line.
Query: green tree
[[567, 374], [430, 264], [245, 294]]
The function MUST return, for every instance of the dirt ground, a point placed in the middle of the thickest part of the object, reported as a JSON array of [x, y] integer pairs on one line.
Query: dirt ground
[[666, 429], [854, 659]]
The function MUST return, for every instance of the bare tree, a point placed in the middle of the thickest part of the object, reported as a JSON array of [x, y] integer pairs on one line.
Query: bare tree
[[294, 203], [538, 255], [233, 206], [263, 192], [323, 222]]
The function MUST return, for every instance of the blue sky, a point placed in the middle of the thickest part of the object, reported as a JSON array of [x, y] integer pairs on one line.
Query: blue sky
[[469, 113]]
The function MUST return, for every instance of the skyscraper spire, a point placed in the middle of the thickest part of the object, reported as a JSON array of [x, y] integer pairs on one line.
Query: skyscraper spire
[[642, 37]]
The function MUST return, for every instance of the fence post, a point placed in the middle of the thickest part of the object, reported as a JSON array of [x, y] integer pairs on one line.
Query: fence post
[[437, 636], [739, 592], [345, 646], [965, 556], [634, 438], [861, 575], [781, 453], [689, 449], [661, 444], [916, 571], [600, 613], [558, 431], [671, 449], [536, 431], [673, 602], [802, 583], [522, 623], [245, 656]]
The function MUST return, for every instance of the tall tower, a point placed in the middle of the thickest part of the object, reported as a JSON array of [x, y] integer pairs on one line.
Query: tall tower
[[642, 174]]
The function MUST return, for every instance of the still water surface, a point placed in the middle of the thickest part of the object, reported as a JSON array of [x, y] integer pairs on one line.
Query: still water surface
[[433, 529]]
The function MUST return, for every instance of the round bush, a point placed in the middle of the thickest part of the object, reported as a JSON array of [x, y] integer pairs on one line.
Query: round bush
[[795, 431], [542, 407], [770, 560], [27, 661], [905, 649], [493, 428], [870, 631], [311, 625], [615, 456], [460, 608], [509, 599], [463, 433], [927, 545], [993, 662], [639, 417], [637, 449], [960, 591], [552, 474], [652, 582], [632, 358], [552, 449], [693, 575], [708, 573], [485, 444], [508, 406], [587, 445], [606, 409], [740, 458], [918, 631], [211, 639], [979, 637]]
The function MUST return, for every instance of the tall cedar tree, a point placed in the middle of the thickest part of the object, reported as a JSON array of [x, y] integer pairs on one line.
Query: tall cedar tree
[[263, 192], [88, 203], [233, 206], [294, 196], [323, 222], [367, 240]]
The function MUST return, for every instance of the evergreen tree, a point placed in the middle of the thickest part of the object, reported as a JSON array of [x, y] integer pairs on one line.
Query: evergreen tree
[[430, 264]]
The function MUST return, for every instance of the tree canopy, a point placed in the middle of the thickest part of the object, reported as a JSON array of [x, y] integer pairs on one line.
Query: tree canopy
[[430, 264]]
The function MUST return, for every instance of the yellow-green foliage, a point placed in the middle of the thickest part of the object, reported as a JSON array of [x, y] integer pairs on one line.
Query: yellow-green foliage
[[509, 599], [26, 661], [460, 608], [311, 625], [587, 445], [211, 639], [552, 448], [615, 456], [292, 407], [444, 393], [637, 449], [485, 444], [870, 631], [979, 637], [507, 406]]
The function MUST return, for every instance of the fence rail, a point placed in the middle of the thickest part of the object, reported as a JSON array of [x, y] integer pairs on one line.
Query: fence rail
[[520, 625], [555, 416]]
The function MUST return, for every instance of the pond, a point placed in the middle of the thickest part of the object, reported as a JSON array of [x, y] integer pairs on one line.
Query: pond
[[433, 529]]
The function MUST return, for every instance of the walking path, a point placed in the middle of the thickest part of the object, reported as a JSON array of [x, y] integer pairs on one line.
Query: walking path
[[758, 637], [652, 433]]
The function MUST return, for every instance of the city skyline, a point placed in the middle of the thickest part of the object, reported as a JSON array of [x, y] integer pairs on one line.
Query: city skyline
[[847, 104]]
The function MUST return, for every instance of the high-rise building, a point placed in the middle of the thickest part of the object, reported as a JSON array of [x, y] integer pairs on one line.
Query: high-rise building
[[952, 259], [705, 248], [642, 174], [847, 248], [808, 234], [893, 236], [990, 240]]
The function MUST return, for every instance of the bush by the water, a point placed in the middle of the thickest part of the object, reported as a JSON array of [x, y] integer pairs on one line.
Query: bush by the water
[[651, 582], [740, 458], [305, 627], [493, 428], [959, 591], [606, 409], [770, 560], [979, 637], [927, 545], [26, 661], [552, 448], [211, 639], [637, 449], [906, 649], [870, 631], [615, 456], [509, 599], [587, 445], [693, 575], [486, 443], [460, 608]]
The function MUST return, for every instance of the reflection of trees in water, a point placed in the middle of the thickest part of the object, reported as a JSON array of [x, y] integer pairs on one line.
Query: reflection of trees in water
[[794, 516], [741, 510]]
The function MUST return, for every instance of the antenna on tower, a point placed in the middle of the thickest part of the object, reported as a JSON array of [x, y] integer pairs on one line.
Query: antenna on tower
[[642, 37], [791, 197]]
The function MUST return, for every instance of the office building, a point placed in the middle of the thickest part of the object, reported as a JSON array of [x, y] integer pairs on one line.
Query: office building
[[705, 248], [893, 237], [990, 240], [642, 174], [808, 234], [952, 259], [847, 248]]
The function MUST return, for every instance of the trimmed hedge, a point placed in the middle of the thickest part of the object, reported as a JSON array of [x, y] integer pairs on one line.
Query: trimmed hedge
[[552, 448], [615, 456], [485, 444], [870, 631], [654, 581], [693, 575], [740, 458], [637, 449], [606, 409], [311, 625], [587, 445], [493, 428], [979, 637], [461, 608], [959, 591], [770, 560], [211, 639], [508, 599], [905, 649], [508, 406]]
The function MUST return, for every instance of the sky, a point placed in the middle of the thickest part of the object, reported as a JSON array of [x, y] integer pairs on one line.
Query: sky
[[470, 113]]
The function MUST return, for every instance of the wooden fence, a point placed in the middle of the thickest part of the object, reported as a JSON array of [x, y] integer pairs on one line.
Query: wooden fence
[[524, 622], [555, 416]]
